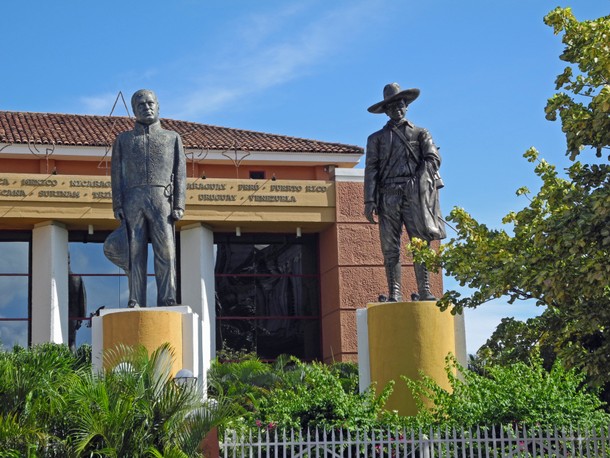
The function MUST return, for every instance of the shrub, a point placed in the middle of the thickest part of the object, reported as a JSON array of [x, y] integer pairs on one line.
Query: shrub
[[519, 393], [293, 394]]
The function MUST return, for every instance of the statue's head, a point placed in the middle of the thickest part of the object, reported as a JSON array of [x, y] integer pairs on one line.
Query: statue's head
[[145, 106], [396, 110], [395, 101]]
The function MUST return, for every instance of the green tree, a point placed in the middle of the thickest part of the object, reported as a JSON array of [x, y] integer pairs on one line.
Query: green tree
[[557, 248], [516, 341], [584, 114]]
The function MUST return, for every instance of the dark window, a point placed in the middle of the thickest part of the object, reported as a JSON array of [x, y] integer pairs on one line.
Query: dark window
[[268, 298], [15, 274], [257, 175], [97, 280], [94, 282]]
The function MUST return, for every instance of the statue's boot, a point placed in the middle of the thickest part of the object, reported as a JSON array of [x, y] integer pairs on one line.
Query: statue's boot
[[423, 283], [394, 279]]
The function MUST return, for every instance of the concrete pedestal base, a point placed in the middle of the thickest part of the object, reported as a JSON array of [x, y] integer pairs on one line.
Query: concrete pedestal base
[[404, 338], [151, 328]]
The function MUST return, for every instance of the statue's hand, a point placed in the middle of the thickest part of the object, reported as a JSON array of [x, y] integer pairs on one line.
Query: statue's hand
[[177, 214], [118, 214], [370, 209]]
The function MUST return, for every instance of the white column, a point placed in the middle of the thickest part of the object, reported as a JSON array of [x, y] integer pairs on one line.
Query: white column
[[49, 283], [197, 287], [461, 352], [364, 360]]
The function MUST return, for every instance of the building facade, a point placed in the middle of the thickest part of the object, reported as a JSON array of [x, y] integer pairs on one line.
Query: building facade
[[273, 250]]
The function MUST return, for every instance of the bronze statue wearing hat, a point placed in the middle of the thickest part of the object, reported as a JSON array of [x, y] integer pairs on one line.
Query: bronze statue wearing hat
[[401, 183]]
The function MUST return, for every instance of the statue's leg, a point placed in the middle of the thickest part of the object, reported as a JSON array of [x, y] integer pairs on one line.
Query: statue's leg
[[423, 283], [137, 232], [393, 274], [164, 248], [390, 231], [412, 221]]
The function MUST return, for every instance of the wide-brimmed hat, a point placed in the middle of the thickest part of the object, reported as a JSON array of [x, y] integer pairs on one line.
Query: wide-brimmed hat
[[391, 93]]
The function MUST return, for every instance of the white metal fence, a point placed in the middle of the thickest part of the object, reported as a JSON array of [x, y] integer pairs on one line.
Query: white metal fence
[[500, 441]]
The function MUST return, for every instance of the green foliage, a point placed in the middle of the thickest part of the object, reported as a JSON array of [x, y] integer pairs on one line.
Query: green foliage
[[519, 393], [584, 115], [516, 341], [302, 396], [244, 381], [52, 405], [314, 396], [19, 440], [557, 248], [34, 384], [137, 409], [293, 394], [557, 255]]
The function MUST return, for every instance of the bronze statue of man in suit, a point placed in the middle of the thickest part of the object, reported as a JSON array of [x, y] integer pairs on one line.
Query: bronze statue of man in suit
[[401, 183], [148, 196]]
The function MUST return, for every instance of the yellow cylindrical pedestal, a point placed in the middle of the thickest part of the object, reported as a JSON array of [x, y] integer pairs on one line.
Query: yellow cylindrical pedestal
[[404, 339], [149, 328]]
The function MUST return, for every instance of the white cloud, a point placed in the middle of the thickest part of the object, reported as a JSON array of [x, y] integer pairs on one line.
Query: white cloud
[[257, 52], [261, 26], [272, 50], [101, 104]]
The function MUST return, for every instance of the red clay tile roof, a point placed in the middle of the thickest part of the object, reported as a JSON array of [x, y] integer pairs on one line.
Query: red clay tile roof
[[85, 130]]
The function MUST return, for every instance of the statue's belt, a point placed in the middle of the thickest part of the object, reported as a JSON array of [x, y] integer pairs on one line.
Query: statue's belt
[[167, 188], [397, 180], [396, 186]]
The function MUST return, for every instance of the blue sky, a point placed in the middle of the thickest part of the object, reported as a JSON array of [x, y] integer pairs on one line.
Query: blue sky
[[310, 68]]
